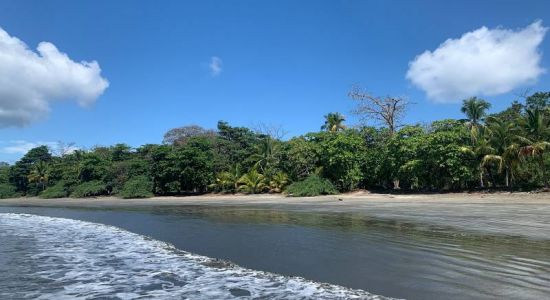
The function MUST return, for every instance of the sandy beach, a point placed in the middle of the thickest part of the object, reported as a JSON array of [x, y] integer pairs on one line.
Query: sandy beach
[[341, 202], [519, 214]]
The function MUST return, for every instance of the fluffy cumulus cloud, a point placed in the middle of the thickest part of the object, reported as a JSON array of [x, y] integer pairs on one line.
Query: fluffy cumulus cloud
[[30, 81], [215, 66], [482, 62]]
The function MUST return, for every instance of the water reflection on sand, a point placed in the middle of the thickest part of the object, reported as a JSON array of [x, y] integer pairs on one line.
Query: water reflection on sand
[[395, 257]]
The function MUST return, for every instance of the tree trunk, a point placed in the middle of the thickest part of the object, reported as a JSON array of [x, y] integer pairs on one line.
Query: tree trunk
[[506, 178], [541, 162], [481, 177], [492, 176], [396, 184], [511, 180]]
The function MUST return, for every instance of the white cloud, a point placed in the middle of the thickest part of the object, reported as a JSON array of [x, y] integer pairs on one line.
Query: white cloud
[[215, 66], [22, 147], [29, 81], [481, 62]]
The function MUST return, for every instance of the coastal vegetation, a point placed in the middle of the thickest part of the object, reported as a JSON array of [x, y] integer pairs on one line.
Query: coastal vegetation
[[507, 150], [313, 185]]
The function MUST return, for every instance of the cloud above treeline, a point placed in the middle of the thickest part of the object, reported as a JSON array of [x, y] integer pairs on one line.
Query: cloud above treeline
[[30, 81], [481, 62], [21, 146]]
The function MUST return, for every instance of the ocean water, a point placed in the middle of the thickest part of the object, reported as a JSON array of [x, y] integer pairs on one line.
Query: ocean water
[[168, 253], [57, 258]]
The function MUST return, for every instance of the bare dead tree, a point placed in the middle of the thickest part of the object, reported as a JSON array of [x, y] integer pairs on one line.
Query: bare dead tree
[[388, 110], [523, 94], [276, 132], [61, 148]]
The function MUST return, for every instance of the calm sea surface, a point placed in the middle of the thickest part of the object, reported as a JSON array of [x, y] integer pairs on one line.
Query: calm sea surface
[[185, 253]]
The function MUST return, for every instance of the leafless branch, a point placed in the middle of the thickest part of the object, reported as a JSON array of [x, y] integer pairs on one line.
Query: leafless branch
[[388, 111], [62, 148], [276, 132], [523, 94]]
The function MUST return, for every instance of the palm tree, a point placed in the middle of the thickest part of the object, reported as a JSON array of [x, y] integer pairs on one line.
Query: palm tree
[[507, 162], [475, 110], [535, 141], [252, 182], [266, 156], [535, 124], [479, 149], [39, 174], [501, 133], [228, 180], [333, 122], [278, 182], [503, 138]]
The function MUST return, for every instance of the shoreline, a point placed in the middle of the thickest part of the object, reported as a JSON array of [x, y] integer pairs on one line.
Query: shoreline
[[354, 199], [525, 215], [355, 252]]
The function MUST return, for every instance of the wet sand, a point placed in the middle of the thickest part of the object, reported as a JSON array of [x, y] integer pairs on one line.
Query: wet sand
[[355, 199], [512, 214], [452, 246]]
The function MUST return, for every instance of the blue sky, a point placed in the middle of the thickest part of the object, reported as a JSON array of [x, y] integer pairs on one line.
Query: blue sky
[[279, 62]]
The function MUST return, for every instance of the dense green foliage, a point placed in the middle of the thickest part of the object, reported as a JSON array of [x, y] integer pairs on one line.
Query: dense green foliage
[[7, 191], [505, 150], [57, 190], [89, 189], [137, 187], [313, 185]]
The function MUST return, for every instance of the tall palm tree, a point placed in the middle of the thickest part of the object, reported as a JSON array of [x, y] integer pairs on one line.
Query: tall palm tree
[[536, 125], [475, 110], [536, 128], [334, 122], [507, 162], [503, 136], [39, 174], [479, 149], [501, 133]]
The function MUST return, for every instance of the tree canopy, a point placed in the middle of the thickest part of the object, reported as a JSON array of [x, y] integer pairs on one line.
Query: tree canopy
[[503, 150]]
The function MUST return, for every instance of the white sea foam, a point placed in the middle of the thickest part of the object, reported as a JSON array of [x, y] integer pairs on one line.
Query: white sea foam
[[81, 260]]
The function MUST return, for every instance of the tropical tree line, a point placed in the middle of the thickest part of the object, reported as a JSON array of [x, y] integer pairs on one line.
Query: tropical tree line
[[506, 150]]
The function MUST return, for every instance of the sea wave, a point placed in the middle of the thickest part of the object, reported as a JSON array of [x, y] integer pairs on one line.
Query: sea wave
[[57, 258]]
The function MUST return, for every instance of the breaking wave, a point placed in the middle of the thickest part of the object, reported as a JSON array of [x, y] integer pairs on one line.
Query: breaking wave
[[55, 258]]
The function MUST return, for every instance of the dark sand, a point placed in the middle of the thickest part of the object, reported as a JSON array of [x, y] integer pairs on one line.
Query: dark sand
[[516, 214]]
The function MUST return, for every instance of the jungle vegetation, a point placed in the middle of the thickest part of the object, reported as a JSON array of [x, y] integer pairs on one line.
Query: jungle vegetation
[[508, 150]]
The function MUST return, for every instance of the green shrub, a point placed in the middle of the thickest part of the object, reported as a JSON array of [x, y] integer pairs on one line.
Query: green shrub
[[7, 191], [89, 189], [137, 187], [311, 186], [56, 191], [33, 190]]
